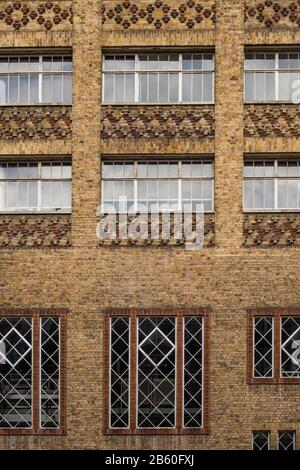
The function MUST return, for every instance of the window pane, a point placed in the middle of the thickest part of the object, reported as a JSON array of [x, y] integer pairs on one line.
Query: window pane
[[248, 194], [50, 372], [47, 96], [47, 64], [269, 194], [2, 195], [197, 87], [3, 64], [123, 63], [22, 195], [34, 88], [283, 61], [207, 87], [143, 88], [260, 86], [119, 372], [12, 195], [290, 347], [258, 194], [282, 194], [57, 88], [163, 88], [173, 88], [186, 62], [129, 88], [13, 89], [249, 87], [283, 86], [67, 89], [153, 88], [24, 88], [16, 372], [109, 87], [292, 194], [186, 87], [270, 86], [249, 62], [208, 63], [193, 372], [156, 381], [119, 88], [67, 65], [33, 194], [107, 170], [3, 90]]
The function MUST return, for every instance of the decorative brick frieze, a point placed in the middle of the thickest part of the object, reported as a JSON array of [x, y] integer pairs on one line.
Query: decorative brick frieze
[[157, 14], [267, 120], [271, 230], [272, 13], [23, 231], [152, 122], [172, 241], [36, 15], [35, 122]]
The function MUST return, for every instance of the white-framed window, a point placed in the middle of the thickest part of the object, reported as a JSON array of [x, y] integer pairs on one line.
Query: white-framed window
[[145, 361], [261, 440], [272, 185], [44, 79], [158, 78], [271, 76], [30, 376], [157, 186], [286, 440], [32, 186]]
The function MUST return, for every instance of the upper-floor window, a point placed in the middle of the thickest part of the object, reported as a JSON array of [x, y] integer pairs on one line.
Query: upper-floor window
[[271, 76], [35, 80], [159, 78], [32, 357], [157, 186], [35, 186], [272, 185]]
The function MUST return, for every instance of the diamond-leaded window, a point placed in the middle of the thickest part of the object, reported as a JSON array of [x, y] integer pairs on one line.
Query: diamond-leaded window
[[261, 440], [290, 347], [286, 440], [263, 347], [30, 377], [156, 372], [274, 352]]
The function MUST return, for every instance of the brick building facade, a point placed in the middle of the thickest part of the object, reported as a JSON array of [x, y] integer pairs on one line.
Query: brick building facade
[[52, 266]]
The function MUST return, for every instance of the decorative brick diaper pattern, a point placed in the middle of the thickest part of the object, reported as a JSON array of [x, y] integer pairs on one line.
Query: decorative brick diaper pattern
[[152, 122], [272, 13], [271, 230], [172, 241], [157, 14], [19, 231], [48, 15], [35, 122], [278, 120]]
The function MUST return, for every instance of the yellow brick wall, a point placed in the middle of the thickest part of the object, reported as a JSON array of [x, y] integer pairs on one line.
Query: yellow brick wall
[[87, 279]]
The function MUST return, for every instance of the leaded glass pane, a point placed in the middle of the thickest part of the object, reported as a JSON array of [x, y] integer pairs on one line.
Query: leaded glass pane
[[263, 347], [15, 373], [119, 373], [261, 440], [290, 347], [193, 372], [156, 372], [286, 440], [50, 372]]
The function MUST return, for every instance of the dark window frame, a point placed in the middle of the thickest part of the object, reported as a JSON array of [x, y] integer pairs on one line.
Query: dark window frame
[[36, 314], [276, 314], [179, 314]]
